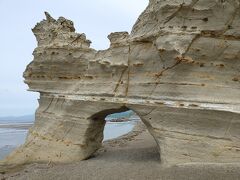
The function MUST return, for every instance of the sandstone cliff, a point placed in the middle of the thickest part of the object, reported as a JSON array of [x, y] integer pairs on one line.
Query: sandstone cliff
[[178, 70]]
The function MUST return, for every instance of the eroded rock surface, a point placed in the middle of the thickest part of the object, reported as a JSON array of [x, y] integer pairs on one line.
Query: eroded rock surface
[[178, 70]]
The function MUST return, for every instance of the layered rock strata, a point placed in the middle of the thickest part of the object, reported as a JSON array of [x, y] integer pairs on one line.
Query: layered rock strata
[[178, 70]]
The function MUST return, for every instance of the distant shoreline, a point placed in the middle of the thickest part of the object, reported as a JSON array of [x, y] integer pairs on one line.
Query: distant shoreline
[[122, 119], [27, 125], [16, 126]]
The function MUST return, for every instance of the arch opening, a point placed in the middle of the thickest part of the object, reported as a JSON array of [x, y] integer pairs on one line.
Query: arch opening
[[102, 127], [119, 124]]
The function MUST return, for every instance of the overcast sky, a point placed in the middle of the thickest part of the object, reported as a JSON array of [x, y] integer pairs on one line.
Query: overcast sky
[[96, 18]]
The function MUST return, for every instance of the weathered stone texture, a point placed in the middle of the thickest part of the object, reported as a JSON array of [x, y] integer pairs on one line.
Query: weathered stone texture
[[178, 70]]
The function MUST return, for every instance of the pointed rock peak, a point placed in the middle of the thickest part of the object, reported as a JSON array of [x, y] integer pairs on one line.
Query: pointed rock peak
[[49, 17]]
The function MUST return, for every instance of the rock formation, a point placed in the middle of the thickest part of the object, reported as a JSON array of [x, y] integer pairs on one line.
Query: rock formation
[[178, 70]]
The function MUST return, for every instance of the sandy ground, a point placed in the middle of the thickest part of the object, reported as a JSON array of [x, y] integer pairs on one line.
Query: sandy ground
[[130, 157]]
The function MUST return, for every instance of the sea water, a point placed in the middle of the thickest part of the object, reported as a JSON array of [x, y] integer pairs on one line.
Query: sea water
[[115, 129], [11, 138]]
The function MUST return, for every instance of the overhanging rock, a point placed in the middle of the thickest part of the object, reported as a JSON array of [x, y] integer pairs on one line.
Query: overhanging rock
[[178, 70]]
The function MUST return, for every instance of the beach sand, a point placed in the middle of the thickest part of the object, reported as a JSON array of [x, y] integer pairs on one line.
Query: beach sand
[[129, 157]]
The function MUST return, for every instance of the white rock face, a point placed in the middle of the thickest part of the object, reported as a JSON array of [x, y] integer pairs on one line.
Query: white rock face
[[178, 70]]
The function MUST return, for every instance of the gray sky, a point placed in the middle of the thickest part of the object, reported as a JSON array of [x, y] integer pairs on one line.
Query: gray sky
[[96, 18]]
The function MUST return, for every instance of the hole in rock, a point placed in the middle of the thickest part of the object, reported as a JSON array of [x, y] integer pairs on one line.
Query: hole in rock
[[118, 124], [113, 123]]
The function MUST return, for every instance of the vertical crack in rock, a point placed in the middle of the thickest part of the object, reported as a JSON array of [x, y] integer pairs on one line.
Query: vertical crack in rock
[[169, 18], [128, 71], [196, 37], [179, 59], [174, 14], [228, 24], [161, 73], [120, 79]]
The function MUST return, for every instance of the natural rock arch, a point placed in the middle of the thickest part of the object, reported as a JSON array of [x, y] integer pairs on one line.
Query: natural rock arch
[[173, 70], [94, 132]]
